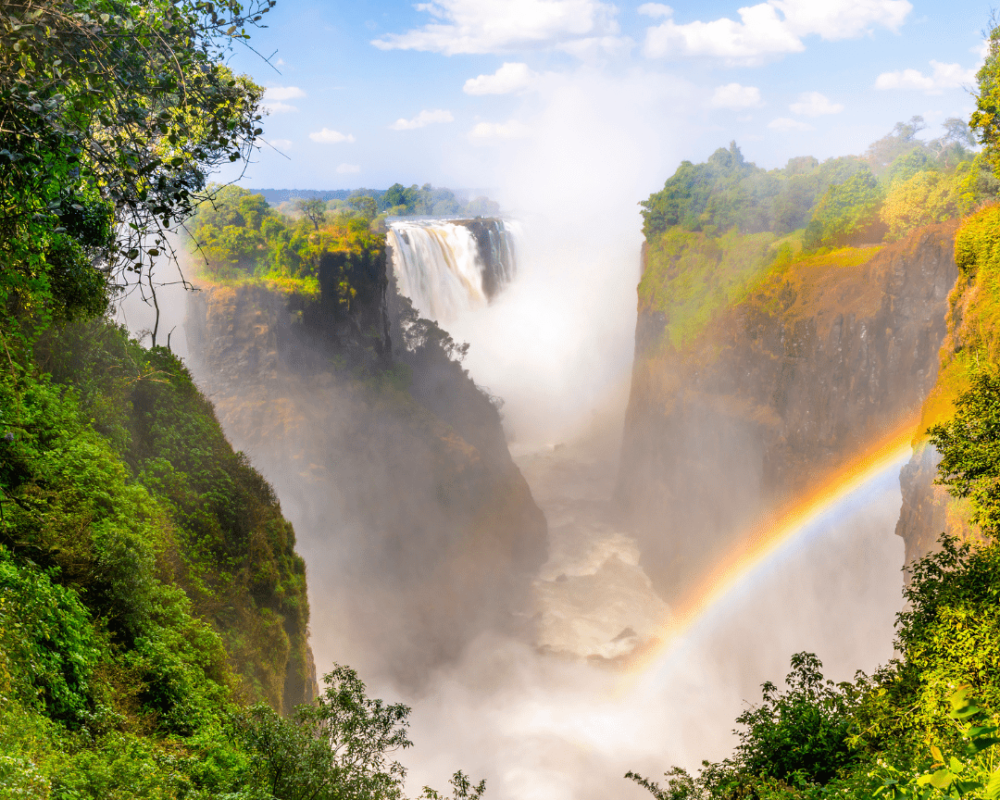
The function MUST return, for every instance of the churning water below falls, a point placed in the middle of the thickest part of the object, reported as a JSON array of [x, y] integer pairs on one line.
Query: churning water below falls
[[567, 714]]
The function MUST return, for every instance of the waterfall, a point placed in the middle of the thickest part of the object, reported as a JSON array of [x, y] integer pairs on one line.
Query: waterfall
[[448, 267]]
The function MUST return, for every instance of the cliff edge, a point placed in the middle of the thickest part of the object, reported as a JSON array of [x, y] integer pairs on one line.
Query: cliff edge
[[419, 530], [819, 358]]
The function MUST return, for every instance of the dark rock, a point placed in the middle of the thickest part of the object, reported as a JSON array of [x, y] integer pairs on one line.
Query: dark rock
[[780, 391]]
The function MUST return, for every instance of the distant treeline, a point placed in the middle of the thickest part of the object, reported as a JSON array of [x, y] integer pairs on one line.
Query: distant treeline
[[717, 227], [397, 200], [900, 182]]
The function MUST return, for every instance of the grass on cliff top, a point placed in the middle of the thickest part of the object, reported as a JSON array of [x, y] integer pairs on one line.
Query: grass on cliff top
[[303, 286], [691, 277]]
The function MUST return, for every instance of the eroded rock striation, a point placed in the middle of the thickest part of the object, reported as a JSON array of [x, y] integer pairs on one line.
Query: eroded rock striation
[[417, 527], [819, 359]]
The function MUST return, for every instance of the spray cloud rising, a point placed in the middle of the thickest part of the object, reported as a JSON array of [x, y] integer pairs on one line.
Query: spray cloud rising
[[556, 345]]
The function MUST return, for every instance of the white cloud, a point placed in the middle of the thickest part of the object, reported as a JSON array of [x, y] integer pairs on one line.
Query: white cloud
[[496, 26], [655, 10], [760, 32], [511, 77], [327, 136], [280, 144], [842, 19], [786, 124], [512, 129], [283, 93], [273, 97], [277, 108], [597, 47], [422, 120], [814, 104], [773, 28], [733, 95], [348, 169], [943, 76]]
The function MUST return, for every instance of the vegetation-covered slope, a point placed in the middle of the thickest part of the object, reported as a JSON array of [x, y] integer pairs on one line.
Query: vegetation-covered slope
[[926, 724], [153, 614], [716, 228], [393, 461]]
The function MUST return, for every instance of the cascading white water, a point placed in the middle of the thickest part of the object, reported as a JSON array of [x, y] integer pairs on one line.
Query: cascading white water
[[547, 717], [449, 267]]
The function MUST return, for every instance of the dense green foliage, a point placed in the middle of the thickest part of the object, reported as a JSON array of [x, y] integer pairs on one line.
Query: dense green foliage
[[236, 236], [847, 213], [985, 119], [717, 229], [112, 114], [150, 592], [727, 192], [970, 447], [926, 724], [337, 748]]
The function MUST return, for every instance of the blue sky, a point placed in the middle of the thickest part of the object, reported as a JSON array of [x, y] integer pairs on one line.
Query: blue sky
[[486, 93]]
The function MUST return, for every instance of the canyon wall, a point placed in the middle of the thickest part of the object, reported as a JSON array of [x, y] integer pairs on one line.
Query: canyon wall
[[818, 360], [969, 351], [418, 529]]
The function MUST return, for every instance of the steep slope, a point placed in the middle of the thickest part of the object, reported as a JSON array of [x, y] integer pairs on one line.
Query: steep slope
[[391, 460], [816, 359], [970, 347]]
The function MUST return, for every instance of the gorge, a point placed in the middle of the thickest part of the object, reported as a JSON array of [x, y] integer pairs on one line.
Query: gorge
[[824, 351], [547, 483]]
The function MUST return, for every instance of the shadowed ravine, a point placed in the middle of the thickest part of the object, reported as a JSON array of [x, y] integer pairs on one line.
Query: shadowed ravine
[[521, 647]]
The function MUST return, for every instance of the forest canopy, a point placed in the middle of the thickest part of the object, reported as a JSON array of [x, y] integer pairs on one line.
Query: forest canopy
[[153, 610], [839, 201], [927, 724]]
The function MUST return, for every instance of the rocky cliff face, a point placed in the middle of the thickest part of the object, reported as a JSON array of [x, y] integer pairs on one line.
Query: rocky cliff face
[[969, 348], [924, 514], [820, 359], [418, 529]]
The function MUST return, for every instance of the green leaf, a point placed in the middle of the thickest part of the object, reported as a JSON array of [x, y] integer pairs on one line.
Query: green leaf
[[966, 712], [941, 779], [983, 743], [993, 786]]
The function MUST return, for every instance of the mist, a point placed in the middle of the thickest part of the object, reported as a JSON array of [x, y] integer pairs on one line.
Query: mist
[[527, 679], [564, 718], [557, 346], [543, 727]]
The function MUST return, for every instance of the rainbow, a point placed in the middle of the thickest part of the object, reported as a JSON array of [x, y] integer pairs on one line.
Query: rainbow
[[770, 535]]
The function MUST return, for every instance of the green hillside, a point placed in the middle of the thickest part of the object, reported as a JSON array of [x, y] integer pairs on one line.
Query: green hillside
[[927, 724]]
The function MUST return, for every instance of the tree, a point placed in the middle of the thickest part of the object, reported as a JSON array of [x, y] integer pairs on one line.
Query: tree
[[957, 132], [902, 139], [313, 210], [985, 120], [969, 445], [365, 206], [397, 196], [337, 748], [846, 213], [112, 114], [927, 197]]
